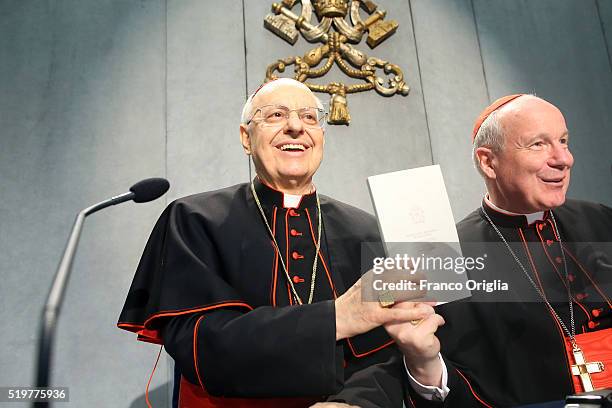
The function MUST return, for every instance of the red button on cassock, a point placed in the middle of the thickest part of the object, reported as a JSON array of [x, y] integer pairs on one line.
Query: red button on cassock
[[295, 233], [297, 279], [570, 277], [293, 213], [559, 260], [295, 255], [549, 242], [540, 227]]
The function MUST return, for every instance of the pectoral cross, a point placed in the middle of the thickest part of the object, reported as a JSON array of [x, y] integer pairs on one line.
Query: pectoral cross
[[584, 369]]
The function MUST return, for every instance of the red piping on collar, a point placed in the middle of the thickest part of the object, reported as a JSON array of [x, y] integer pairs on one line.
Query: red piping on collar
[[280, 192]]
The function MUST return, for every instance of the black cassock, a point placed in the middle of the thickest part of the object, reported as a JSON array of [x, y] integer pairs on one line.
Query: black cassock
[[210, 287], [512, 352]]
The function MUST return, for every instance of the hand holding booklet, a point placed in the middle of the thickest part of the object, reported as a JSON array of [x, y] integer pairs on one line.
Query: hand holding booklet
[[419, 235]]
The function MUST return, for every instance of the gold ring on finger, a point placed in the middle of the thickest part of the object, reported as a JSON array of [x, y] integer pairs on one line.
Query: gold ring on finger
[[416, 322], [385, 299]]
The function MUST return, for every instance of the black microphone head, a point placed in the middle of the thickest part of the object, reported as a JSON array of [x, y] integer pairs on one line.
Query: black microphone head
[[149, 189]]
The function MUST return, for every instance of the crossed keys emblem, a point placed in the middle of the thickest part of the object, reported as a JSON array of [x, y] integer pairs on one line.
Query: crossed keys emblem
[[336, 49]]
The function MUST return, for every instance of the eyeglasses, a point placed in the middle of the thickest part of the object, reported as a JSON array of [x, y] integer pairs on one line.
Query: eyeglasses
[[278, 115]]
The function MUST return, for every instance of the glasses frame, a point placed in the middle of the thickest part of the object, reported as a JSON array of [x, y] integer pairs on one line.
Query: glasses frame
[[320, 125]]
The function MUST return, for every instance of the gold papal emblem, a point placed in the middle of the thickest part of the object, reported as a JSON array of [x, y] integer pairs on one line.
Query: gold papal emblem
[[336, 49]]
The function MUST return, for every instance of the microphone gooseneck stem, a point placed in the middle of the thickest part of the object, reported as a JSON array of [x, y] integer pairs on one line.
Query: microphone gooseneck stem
[[52, 307], [55, 297], [603, 266]]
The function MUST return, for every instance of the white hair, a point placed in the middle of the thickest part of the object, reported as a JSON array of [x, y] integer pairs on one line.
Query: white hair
[[248, 105], [491, 135]]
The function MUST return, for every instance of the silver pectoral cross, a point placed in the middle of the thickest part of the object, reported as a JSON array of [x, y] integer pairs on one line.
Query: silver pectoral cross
[[584, 369]]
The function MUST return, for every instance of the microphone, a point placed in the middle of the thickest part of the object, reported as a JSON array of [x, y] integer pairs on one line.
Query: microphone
[[598, 261], [144, 191], [141, 192], [149, 189]]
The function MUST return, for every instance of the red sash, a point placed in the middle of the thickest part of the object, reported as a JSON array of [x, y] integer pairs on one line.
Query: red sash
[[596, 347], [193, 396]]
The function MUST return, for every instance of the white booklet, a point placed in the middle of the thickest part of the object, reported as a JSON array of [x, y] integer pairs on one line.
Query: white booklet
[[413, 206], [416, 222]]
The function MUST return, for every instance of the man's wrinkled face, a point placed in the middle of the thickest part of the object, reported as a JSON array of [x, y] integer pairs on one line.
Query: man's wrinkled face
[[533, 170], [284, 153]]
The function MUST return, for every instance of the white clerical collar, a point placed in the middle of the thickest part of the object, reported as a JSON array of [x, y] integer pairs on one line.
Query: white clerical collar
[[531, 218], [291, 200], [294, 200]]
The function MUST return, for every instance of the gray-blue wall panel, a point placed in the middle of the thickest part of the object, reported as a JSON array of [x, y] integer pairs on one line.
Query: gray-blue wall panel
[[605, 16], [455, 92], [81, 119], [206, 91], [555, 49]]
